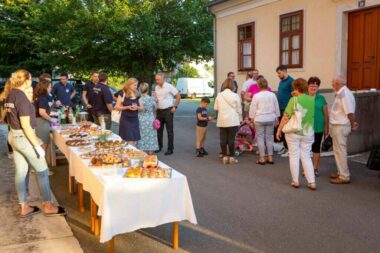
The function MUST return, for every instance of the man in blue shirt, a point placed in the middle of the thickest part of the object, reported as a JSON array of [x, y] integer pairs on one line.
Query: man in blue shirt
[[102, 107], [64, 91], [88, 94], [284, 94]]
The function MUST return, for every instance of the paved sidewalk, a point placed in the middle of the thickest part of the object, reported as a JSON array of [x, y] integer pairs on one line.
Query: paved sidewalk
[[34, 234]]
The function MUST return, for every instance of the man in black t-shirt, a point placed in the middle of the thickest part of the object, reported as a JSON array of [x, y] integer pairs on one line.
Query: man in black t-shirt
[[88, 94], [102, 102], [202, 122]]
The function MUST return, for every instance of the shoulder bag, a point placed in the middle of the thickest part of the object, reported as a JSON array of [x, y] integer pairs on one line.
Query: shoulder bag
[[295, 123], [115, 114]]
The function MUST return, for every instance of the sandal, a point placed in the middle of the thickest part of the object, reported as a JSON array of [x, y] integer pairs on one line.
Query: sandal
[[312, 186], [61, 212], [261, 163], [294, 184], [225, 160], [36, 210], [233, 160]]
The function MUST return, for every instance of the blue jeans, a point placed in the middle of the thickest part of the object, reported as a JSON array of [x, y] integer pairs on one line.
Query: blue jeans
[[265, 138], [24, 157]]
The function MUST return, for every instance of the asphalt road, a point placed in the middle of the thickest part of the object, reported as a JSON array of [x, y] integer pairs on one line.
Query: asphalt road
[[248, 207]]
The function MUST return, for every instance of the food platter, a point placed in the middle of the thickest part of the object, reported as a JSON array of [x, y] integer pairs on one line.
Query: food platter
[[77, 143], [110, 144], [155, 173], [109, 160]]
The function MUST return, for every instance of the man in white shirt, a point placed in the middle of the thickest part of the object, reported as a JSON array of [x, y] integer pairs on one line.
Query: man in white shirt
[[342, 122], [251, 74], [165, 94]]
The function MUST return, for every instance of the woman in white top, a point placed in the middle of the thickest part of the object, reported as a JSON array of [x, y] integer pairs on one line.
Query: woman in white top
[[264, 111], [228, 105]]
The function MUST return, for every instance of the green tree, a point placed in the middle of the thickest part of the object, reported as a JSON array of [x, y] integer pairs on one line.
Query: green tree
[[185, 71], [121, 37]]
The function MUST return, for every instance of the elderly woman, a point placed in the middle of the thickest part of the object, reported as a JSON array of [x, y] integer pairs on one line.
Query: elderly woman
[[148, 134], [299, 143], [264, 111], [228, 106], [26, 145], [321, 120]]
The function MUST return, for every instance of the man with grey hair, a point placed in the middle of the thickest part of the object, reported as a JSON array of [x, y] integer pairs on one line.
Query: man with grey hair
[[342, 122], [166, 107]]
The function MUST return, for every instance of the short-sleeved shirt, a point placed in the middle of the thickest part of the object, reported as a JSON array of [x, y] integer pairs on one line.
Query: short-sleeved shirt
[[42, 102], [247, 84], [63, 93], [118, 93], [319, 116], [344, 104], [254, 89], [306, 105], [18, 105], [165, 95], [284, 93], [102, 97], [204, 114], [89, 88]]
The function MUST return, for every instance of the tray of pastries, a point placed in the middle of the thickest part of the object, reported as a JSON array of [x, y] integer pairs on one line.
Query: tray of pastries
[[136, 154], [139, 172], [109, 160], [100, 132], [150, 161], [85, 123], [79, 135], [110, 144], [77, 143]]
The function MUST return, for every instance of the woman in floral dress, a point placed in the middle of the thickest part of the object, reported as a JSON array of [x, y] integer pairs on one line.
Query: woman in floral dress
[[148, 141]]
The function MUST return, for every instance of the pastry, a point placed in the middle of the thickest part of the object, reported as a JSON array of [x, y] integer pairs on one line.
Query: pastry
[[150, 161]]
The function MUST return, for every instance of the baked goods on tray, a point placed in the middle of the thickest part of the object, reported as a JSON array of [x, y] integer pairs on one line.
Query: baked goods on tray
[[109, 159], [138, 172], [77, 142], [135, 154], [150, 161], [110, 144], [80, 135]]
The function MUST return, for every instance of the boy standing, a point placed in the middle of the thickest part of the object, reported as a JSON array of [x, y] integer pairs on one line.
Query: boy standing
[[202, 121]]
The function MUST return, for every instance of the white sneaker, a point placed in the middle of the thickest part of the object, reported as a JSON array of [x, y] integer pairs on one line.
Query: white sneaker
[[282, 151], [286, 154], [10, 155]]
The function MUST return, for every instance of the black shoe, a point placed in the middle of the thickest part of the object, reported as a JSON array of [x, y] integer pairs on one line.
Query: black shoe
[[199, 153], [203, 151], [158, 150], [169, 152]]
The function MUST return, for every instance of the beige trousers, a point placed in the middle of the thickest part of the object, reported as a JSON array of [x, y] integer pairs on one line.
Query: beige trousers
[[339, 134], [201, 136]]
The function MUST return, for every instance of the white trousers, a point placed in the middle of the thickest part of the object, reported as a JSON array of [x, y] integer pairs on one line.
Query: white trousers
[[299, 148], [339, 134]]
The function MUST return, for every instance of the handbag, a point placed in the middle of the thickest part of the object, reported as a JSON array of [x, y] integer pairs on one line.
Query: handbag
[[156, 124], [115, 115], [327, 143], [295, 123]]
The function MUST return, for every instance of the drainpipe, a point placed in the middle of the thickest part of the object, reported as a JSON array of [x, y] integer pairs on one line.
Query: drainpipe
[[215, 61]]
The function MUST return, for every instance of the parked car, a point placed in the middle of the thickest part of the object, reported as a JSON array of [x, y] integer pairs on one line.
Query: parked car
[[194, 87], [78, 86]]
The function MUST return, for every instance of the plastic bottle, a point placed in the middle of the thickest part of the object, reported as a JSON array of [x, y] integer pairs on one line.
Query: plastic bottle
[[102, 123], [71, 116]]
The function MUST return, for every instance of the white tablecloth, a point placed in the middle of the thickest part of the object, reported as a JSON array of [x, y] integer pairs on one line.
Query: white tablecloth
[[129, 204]]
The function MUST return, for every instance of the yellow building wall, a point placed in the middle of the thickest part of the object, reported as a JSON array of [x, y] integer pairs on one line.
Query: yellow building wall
[[319, 56]]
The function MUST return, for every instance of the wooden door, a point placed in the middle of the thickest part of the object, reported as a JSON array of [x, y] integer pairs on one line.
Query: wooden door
[[364, 49]]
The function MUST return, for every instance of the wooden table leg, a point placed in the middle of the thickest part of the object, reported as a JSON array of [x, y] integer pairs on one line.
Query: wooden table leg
[[72, 184], [111, 245], [81, 198], [95, 221], [175, 235], [92, 214]]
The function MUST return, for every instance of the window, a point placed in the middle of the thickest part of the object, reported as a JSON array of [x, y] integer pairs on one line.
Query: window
[[291, 39], [246, 49]]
